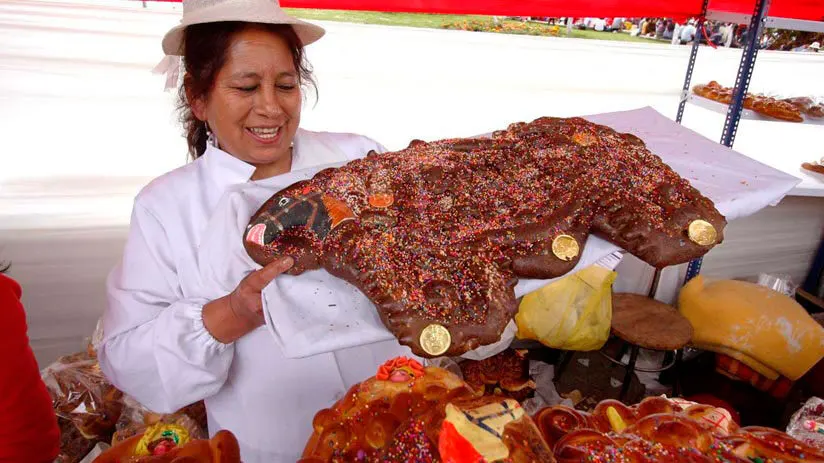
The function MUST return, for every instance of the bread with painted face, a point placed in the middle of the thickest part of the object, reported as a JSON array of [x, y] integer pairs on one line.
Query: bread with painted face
[[166, 443]]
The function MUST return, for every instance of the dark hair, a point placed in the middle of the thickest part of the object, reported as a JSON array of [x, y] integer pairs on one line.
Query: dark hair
[[204, 54], [4, 266]]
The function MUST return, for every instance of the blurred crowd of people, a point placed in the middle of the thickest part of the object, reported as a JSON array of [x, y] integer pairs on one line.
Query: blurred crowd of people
[[792, 41], [711, 32]]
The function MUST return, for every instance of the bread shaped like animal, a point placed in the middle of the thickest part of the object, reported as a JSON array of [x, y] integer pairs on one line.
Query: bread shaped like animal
[[436, 235]]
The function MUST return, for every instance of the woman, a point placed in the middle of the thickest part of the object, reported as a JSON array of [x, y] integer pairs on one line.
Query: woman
[[28, 425], [670, 30], [167, 342]]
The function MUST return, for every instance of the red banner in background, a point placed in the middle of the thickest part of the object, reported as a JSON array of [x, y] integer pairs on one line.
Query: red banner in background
[[540, 8], [812, 10], [677, 9]]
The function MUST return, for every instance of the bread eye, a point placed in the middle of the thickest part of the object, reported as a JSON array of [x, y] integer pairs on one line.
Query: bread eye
[[283, 202]]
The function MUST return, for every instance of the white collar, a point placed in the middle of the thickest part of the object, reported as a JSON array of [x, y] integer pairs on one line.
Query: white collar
[[224, 169]]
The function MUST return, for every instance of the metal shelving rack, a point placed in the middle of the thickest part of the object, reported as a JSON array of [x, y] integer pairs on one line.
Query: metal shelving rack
[[758, 21]]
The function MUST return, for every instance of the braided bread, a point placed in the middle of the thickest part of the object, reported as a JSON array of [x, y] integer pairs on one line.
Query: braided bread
[[817, 167], [789, 109], [662, 430]]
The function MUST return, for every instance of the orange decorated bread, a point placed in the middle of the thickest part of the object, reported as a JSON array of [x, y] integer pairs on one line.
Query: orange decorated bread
[[408, 412]]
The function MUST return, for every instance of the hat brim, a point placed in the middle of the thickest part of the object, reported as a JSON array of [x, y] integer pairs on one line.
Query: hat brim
[[306, 32]]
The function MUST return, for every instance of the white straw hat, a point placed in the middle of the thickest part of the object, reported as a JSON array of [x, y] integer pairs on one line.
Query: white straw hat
[[254, 11]]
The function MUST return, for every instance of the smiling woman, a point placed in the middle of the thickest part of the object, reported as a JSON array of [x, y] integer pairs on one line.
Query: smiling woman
[[170, 340], [244, 82]]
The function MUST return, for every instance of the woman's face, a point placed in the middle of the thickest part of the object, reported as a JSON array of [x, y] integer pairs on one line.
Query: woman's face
[[254, 106]]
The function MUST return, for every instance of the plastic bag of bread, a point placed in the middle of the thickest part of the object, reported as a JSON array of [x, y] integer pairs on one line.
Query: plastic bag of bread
[[82, 395], [572, 313], [73, 446], [133, 420], [807, 424], [197, 412]]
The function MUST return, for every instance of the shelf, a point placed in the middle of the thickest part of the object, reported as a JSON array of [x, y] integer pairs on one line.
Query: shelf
[[770, 21], [794, 24], [722, 108]]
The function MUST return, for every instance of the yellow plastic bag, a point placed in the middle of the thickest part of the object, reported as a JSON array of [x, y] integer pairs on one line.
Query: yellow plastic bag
[[573, 313]]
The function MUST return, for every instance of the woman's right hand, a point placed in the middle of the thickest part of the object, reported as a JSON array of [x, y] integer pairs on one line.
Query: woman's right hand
[[241, 311]]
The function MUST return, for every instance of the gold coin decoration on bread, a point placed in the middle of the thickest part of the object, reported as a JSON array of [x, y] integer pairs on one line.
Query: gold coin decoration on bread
[[435, 339], [702, 232], [565, 247]]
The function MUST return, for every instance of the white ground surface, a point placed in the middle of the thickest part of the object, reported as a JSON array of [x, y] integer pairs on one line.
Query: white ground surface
[[85, 124]]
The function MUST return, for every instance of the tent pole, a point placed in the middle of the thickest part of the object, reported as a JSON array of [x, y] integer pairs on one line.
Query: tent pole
[[695, 264], [656, 279], [742, 84], [691, 65], [742, 80]]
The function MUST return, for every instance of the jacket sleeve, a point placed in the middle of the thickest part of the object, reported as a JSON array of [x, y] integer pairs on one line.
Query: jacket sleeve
[[155, 347], [28, 425]]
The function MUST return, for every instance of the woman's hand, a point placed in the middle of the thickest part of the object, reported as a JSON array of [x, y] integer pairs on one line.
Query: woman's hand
[[241, 311]]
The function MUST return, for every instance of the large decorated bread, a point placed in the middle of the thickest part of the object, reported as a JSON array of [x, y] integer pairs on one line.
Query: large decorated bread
[[436, 235], [660, 430], [411, 413]]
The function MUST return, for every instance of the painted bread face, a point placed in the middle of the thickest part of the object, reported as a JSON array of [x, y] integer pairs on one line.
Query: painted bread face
[[436, 235]]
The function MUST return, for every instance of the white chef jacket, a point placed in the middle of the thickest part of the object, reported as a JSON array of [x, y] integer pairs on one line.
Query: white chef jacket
[[155, 346]]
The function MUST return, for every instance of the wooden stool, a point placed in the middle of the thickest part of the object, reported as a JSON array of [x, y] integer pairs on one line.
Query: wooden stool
[[645, 323]]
